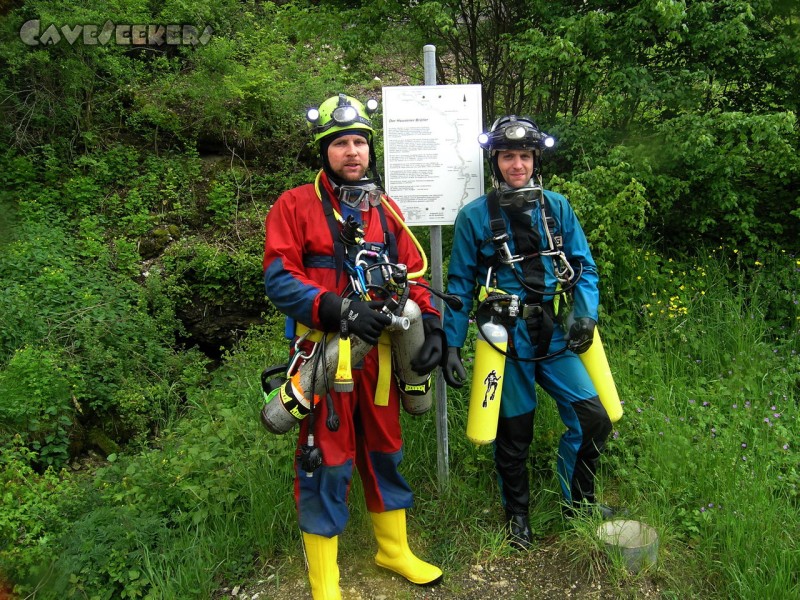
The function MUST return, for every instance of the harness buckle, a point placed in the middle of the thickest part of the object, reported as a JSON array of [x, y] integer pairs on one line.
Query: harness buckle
[[500, 242], [531, 310]]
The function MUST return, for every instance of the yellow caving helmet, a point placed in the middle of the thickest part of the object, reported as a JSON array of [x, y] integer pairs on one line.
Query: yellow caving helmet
[[341, 113]]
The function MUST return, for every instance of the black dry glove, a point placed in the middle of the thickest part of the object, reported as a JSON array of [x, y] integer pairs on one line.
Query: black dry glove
[[432, 351], [364, 319], [453, 368], [581, 335]]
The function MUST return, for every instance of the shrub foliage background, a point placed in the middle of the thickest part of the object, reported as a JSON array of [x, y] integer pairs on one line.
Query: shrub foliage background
[[133, 185]]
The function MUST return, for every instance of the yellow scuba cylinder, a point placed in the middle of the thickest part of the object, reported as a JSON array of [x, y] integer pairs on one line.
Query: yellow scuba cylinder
[[487, 383], [415, 389], [596, 364]]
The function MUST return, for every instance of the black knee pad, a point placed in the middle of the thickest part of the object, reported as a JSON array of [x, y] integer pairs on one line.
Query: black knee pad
[[595, 424]]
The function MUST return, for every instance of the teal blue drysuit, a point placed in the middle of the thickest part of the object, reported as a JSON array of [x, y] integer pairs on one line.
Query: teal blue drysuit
[[563, 375]]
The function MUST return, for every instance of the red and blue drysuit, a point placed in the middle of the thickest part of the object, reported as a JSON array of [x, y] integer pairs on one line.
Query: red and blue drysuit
[[563, 375], [299, 267]]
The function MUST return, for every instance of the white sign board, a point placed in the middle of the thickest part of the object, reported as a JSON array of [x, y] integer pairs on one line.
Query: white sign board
[[432, 161]]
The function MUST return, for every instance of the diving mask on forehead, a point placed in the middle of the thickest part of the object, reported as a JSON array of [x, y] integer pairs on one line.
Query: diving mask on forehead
[[524, 197], [360, 197]]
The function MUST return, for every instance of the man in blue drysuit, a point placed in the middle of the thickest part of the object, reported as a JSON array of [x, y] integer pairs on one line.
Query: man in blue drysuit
[[527, 241]]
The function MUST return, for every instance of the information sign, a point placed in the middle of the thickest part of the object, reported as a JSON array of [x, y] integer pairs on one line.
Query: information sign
[[432, 161]]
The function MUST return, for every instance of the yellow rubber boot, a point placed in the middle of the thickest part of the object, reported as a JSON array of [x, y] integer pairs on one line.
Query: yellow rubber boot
[[394, 553], [323, 571]]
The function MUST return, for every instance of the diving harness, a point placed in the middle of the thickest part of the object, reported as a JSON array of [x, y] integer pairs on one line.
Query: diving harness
[[505, 308]]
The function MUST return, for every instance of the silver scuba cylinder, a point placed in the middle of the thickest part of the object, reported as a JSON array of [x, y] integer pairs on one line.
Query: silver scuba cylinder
[[284, 404], [415, 389], [289, 402]]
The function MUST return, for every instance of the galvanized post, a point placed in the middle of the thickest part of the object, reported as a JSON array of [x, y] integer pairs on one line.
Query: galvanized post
[[437, 280]]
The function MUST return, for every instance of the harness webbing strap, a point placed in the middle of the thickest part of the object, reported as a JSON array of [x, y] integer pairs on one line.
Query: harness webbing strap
[[389, 239], [497, 225], [333, 226], [384, 382]]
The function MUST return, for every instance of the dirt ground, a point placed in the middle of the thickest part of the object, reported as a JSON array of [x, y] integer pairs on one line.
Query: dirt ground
[[544, 573]]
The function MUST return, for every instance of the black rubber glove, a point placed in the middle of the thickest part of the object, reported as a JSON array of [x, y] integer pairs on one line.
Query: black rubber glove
[[364, 319], [453, 369], [581, 335], [432, 352]]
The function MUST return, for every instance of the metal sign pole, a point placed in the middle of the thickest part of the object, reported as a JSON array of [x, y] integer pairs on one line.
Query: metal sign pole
[[443, 465]]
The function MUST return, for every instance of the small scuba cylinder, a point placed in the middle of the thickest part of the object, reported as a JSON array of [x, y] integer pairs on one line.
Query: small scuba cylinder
[[596, 364], [487, 383], [415, 389], [287, 402]]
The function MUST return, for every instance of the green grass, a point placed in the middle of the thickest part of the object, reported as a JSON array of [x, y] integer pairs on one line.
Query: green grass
[[706, 453]]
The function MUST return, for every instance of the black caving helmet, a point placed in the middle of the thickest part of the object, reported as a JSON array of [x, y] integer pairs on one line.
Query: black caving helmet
[[511, 132]]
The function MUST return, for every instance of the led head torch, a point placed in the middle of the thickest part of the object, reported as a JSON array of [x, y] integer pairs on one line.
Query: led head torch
[[515, 133], [340, 113]]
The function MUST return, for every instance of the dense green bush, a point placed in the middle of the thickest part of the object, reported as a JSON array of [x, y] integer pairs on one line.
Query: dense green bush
[[86, 349], [174, 520], [35, 509], [729, 178], [211, 274], [36, 401], [611, 205], [103, 555]]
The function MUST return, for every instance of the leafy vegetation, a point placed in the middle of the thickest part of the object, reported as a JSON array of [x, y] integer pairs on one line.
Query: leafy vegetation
[[134, 180]]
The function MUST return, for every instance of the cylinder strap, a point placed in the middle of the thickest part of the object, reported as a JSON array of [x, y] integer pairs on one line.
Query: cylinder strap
[[384, 370], [315, 335], [384, 360]]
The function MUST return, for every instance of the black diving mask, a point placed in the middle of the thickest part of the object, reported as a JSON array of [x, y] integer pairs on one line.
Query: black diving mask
[[524, 197]]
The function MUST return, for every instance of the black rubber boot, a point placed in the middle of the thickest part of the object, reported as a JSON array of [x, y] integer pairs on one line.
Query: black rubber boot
[[607, 512], [519, 532]]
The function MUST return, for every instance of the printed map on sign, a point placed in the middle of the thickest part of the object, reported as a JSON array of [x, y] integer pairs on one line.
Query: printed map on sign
[[433, 163]]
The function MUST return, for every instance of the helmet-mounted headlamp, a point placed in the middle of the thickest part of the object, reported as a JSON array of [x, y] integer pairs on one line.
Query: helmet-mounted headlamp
[[515, 133], [340, 114]]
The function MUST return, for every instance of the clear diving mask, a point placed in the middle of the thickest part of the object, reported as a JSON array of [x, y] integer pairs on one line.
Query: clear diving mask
[[361, 196]]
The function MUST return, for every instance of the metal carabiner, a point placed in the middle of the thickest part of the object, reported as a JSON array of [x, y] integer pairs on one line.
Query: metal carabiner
[[566, 273], [501, 245], [299, 354]]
